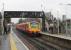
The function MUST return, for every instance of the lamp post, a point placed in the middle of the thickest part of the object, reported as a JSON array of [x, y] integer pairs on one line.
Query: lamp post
[[58, 20], [2, 19], [2, 23]]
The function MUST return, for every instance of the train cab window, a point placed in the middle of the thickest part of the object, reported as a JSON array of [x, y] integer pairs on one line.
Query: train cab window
[[34, 25]]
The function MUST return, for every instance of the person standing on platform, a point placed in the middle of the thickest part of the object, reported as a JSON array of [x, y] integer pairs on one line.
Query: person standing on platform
[[5, 27], [51, 28], [8, 27]]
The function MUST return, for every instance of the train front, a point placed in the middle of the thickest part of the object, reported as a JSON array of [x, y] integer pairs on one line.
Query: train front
[[34, 28]]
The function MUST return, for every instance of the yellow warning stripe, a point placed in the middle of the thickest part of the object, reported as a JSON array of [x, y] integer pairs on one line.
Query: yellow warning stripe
[[12, 43]]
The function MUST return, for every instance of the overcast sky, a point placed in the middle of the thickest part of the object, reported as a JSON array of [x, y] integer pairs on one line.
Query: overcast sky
[[35, 5]]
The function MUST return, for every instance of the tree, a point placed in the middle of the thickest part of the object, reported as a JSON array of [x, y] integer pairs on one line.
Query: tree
[[20, 20]]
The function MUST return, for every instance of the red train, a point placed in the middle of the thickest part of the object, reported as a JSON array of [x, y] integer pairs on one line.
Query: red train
[[31, 27]]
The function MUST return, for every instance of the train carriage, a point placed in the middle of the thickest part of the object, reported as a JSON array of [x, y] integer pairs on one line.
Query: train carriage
[[32, 28]]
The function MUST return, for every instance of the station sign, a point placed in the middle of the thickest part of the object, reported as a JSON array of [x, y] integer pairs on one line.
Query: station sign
[[23, 14]]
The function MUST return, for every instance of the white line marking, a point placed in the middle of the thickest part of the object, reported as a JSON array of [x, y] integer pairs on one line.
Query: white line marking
[[20, 41]]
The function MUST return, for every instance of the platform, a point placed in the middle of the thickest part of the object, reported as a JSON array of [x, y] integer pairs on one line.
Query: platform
[[5, 43], [12, 42], [16, 43], [58, 36], [0, 40]]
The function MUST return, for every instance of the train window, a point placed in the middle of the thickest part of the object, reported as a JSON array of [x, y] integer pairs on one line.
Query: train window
[[34, 25]]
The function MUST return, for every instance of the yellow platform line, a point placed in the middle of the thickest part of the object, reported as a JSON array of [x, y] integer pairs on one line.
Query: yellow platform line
[[12, 43]]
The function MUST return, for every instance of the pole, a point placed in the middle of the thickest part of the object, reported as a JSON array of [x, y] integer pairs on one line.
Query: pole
[[66, 26], [2, 19], [58, 20], [2, 24], [66, 19]]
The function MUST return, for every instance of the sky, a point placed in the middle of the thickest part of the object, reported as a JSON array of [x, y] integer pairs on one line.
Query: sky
[[15, 20], [57, 7]]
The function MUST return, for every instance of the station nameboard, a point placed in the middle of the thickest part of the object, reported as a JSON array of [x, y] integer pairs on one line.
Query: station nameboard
[[24, 14]]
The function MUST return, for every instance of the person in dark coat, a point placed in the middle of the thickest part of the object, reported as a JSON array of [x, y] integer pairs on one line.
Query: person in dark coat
[[51, 28], [5, 27]]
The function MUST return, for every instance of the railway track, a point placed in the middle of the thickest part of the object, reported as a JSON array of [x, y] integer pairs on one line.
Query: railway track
[[35, 43], [38, 43], [48, 43], [29, 45]]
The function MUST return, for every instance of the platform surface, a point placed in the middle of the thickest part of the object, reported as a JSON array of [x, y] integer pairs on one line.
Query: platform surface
[[5, 43], [58, 36], [17, 43], [12, 42], [0, 40]]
